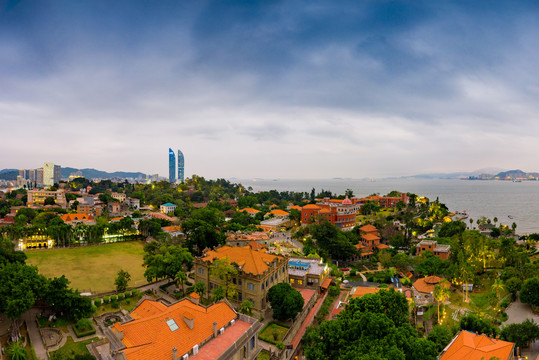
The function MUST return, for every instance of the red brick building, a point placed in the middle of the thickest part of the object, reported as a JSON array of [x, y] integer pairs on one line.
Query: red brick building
[[341, 213]]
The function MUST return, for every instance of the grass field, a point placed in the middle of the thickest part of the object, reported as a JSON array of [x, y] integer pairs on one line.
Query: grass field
[[92, 267]]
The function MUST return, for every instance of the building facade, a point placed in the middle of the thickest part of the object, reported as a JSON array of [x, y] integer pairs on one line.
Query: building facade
[[439, 250], [341, 213], [38, 196], [51, 174], [258, 271], [307, 273], [171, 166], [181, 166], [39, 177]]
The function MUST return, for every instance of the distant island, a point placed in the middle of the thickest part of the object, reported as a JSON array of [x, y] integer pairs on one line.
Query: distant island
[[510, 175]]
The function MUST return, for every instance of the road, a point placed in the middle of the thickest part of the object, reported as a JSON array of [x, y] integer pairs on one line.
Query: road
[[517, 313]]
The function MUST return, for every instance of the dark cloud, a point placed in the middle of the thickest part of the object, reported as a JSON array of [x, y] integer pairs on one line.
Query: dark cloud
[[345, 80]]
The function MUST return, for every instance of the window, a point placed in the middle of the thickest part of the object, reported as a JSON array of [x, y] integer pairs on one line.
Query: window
[[201, 271], [300, 282], [292, 281], [172, 325], [234, 281], [240, 296], [251, 286], [239, 282], [262, 286], [252, 343], [211, 286]]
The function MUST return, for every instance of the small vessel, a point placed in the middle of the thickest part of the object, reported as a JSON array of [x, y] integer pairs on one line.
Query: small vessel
[[509, 216]]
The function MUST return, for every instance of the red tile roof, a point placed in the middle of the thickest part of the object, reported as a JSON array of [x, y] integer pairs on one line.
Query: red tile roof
[[426, 285], [250, 210], [71, 217], [311, 207], [471, 346], [368, 228], [248, 260], [148, 337]]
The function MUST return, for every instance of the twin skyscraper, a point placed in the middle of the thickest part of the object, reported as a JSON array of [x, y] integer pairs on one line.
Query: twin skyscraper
[[172, 166]]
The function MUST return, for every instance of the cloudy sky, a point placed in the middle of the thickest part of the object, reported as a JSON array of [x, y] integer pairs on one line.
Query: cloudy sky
[[310, 89]]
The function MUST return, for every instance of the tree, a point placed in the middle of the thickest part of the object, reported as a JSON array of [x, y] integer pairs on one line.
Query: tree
[[164, 261], [529, 292], [218, 294], [122, 280], [225, 271], [246, 308], [498, 286], [19, 286], [521, 334], [199, 288], [49, 201], [441, 336], [449, 229], [181, 278], [285, 301], [513, 285], [437, 294], [17, 352], [473, 323]]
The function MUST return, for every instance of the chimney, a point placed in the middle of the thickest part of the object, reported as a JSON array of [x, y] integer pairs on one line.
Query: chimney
[[174, 353], [215, 329], [189, 320]]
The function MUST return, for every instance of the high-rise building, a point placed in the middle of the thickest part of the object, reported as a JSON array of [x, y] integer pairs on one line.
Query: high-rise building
[[181, 166], [22, 173], [51, 174], [32, 177], [171, 166], [40, 176]]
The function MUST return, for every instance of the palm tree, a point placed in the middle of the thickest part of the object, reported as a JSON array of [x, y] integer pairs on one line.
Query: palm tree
[[495, 220], [437, 294], [471, 223], [498, 286], [17, 352], [180, 279]]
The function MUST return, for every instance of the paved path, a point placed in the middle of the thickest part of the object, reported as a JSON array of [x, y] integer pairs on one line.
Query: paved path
[[517, 312], [308, 321], [33, 332]]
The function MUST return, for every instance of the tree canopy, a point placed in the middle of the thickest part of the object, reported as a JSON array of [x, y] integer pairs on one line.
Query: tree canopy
[[285, 301]]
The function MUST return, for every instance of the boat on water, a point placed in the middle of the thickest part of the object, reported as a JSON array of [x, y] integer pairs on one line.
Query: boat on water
[[509, 216]]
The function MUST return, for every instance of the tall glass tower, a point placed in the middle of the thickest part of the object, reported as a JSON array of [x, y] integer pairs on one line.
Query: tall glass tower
[[171, 166], [181, 174]]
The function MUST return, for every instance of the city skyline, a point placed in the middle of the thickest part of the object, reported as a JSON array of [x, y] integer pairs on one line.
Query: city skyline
[[271, 90]]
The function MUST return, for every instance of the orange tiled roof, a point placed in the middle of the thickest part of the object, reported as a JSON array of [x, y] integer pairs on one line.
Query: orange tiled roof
[[370, 237], [71, 217], [172, 228], [368, 228], [359, 291], [194, 295], [250, 210], [359, 246], [297, 207], [311, 207], [471, 346], [273, 206], [278, 212], [148, 337], [255, 246], [117, 218], [426, 285], [382, 246], [325, 210], [248, 260]]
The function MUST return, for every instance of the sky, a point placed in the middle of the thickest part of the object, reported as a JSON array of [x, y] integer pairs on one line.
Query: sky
[[270, 89]]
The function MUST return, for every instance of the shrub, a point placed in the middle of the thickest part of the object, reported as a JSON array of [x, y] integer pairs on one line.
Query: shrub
[[134, 292], [113, 298], [84, 327], [126, 294], [280, 346], [97, 302], [106, 299], [115, 304], [120, 297], [128, 301], [505, 303]]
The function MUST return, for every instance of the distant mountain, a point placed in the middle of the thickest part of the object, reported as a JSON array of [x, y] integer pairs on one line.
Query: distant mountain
[[455, 175], [516, 174], [11, 174]]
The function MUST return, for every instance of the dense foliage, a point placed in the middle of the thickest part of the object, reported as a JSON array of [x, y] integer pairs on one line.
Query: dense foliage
[[285, 301], [372, 327]]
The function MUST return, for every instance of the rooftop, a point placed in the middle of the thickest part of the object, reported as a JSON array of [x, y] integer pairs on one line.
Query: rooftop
[[471, 346], [426, 285], [300, 267], [248, 260], [368, 228], [156, 328]]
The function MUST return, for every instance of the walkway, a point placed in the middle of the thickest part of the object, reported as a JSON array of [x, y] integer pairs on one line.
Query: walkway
[[517, 312], [308, 321], [33, 332]]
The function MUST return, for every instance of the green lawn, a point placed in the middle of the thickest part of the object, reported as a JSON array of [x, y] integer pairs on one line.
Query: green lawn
[[71, 348], [92, 267], [273, 332]]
